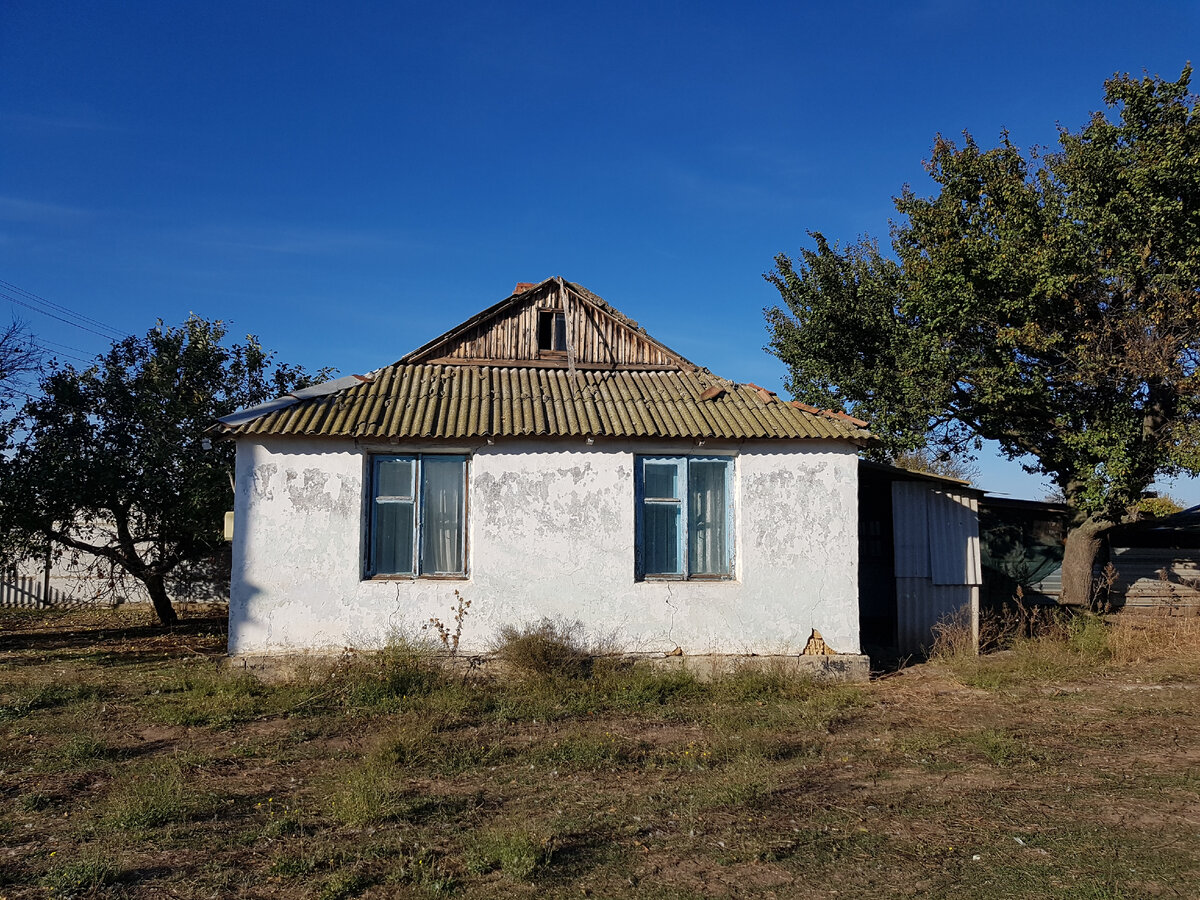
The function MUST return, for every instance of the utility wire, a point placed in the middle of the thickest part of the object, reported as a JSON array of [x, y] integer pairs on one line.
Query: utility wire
[[42, 340], [18, 295], [77, 358], [30, 306]]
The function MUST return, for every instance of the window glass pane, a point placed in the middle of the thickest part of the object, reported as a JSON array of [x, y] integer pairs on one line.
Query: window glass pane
[[442, 515], [661, 522], [708, 517], [560, 331], [661, 480], [393, 478], [393, 551]]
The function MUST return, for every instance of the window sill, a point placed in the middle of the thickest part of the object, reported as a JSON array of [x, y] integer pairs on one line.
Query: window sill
[[692, 578], [417, 578]]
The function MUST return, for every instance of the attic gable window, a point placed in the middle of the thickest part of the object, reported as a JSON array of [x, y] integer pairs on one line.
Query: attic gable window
[[552, 331]]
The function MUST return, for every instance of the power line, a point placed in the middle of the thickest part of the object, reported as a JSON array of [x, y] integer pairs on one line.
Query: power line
[[30, 306], [18, 295], [42, 340], [78, 354], [77, 358]]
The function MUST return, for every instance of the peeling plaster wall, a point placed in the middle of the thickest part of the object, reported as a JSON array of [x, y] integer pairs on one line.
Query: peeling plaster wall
[[550, 533]]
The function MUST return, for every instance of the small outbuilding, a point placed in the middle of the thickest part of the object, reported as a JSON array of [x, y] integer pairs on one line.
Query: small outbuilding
[[919, 557], [549, 459]]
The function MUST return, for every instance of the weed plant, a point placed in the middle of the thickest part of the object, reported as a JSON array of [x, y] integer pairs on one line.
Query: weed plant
[[155, 795], [518, 854], [85, 876], [546, 649]]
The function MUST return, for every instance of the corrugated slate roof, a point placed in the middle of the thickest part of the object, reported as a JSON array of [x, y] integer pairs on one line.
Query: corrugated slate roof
[[465, 401]]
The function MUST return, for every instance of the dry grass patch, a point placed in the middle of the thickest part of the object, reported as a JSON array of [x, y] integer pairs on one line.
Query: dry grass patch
[[389, 776]]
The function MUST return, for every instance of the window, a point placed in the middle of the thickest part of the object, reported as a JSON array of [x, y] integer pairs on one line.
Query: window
[[684, 517], [552, 331], [418, 521]]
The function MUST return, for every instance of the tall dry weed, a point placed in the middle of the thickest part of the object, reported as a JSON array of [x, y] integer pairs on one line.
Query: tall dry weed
[[1135, 638]]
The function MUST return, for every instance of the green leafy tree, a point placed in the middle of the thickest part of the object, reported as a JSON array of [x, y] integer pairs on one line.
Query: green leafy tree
[[112, 460], [1046, 301]]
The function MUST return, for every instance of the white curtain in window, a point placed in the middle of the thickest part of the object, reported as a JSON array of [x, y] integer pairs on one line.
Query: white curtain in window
[[708, 548], [442, 488]]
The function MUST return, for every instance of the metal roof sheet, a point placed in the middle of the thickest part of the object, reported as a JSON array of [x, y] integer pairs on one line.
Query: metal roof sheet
[[408, 400]]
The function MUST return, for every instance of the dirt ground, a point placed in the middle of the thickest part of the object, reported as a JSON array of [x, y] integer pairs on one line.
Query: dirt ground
[[133, 764]]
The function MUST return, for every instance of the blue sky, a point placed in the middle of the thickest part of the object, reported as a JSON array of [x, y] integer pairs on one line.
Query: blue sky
[[349, 180]]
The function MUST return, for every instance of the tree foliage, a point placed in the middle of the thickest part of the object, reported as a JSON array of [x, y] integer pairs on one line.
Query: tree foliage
[[111, 459], [1047, 301]]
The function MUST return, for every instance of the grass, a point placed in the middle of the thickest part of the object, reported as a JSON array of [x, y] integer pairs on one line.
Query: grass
[[85, 876], [1061, 765], [517, 854], [154, 795]]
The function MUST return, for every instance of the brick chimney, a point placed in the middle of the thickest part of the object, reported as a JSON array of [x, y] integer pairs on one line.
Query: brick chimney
[[523, 286]]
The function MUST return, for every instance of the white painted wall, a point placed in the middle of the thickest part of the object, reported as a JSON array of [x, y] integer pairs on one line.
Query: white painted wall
[[550, 533]]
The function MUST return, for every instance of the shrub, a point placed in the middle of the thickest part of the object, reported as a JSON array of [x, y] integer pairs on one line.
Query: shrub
[[83, 748], [547, 649], [1087, 635], [368, 795]]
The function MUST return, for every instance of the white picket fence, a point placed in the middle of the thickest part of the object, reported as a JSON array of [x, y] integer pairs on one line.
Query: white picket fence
[[24, 592]]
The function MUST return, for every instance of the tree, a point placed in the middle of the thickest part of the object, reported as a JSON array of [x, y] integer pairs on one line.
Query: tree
[[112, 461], [19, 355], [1047, 301]]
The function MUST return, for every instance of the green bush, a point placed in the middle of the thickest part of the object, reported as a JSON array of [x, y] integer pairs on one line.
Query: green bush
[[397, 673], [368, 795]]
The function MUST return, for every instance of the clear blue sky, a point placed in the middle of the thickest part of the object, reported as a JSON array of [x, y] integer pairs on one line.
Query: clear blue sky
[[349, 180]]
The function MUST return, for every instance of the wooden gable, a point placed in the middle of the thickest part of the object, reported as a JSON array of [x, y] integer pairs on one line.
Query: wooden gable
[[554, 324]]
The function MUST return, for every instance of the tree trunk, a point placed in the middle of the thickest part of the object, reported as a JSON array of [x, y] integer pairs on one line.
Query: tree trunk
[[1083, 545], [157, 590]]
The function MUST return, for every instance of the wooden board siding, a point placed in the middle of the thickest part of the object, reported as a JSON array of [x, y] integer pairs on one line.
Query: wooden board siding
[[600, 339], [1154, 577]]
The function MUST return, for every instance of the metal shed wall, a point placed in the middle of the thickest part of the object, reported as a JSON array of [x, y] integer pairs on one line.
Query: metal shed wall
[[937, 559]]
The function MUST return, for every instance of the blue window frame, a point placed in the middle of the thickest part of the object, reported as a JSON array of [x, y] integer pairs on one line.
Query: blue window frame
[[684, 517], [418, 520]]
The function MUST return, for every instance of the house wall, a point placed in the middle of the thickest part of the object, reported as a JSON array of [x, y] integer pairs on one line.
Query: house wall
[[550, 533]]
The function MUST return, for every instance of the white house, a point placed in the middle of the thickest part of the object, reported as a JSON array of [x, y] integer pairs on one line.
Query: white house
[[546, 458]]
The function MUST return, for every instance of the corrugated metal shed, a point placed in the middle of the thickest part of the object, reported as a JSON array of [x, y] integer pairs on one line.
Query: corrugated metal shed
[[464, 401], [937, 558]]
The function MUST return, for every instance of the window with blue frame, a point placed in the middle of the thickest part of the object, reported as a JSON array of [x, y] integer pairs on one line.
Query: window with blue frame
[[684, 517], [418, 522]]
